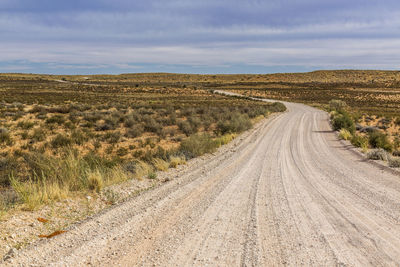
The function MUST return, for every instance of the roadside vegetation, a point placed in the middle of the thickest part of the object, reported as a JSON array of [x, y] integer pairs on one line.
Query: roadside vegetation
[[372, 140], [364, 105], [59, 140]]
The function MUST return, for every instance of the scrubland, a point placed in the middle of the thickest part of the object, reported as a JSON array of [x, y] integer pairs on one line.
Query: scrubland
[[370, 110], [61, 136]]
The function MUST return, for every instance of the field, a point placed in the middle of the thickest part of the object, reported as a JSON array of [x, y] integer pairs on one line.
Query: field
[[372, 97], [63, 135], [82, 133]]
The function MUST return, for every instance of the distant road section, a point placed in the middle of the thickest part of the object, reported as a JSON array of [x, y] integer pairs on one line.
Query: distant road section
[[285, 193]]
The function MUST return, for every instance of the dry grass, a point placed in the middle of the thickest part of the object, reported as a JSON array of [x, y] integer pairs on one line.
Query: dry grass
[[345, 134], [160, 165], [142, 170], [63, 139], [175, 161]]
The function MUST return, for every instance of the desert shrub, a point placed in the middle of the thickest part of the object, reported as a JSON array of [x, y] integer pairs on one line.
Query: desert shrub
[[378, 154], [195, 122], [38, 109], [104, 127], [394, 162], [24, 135], [172, 118], [360, 141], [8, 165], [26, 125], [187, 112], [70, 125], [18, 115], [337, 105], [64, 109], [197, 145], [61, 140], [112, 137], [151, 125], [74, 117], [207, 120], [78, 137], [92, 117], [345, 134], [135, 131], [122, 151], [118, 116], [380, 140], [112, 120], [237, 124], [59, 119], [8, 198], [186, 128], [129, 122], [5, 136], [162, 153], [397, 121], [168, 132], [38, 135], [152, 175], [343, 121]]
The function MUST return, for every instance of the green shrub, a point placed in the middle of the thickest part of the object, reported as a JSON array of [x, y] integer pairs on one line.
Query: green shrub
[[112, 137], [343, 121], [78, 137], [8, 165], [237, 124], [360, 141], [152, 175], [59, 119], [197, 145], [92, 117], [135, 131], [129, 122], [186, 128], [61, 140], [337, 105], [25, 125], [380, 140], [122, 151]]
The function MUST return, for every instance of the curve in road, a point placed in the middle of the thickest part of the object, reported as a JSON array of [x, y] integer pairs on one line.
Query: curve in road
[[286, 193]]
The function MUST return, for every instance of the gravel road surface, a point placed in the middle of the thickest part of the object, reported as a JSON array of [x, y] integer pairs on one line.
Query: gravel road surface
[[285, 193]]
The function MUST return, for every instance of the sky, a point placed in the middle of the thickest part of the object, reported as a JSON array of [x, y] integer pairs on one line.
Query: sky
[[192, 36]]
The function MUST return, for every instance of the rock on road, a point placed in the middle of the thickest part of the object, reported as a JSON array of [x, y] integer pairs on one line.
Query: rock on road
[[285, 193]]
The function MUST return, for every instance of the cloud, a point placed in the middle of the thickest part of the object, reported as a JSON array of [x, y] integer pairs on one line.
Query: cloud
[[121, 34]]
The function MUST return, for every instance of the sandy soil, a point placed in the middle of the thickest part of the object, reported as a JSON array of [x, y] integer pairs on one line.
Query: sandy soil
[[286, 193]]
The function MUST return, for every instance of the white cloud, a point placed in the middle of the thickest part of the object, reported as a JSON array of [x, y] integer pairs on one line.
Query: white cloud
[[206, 33]]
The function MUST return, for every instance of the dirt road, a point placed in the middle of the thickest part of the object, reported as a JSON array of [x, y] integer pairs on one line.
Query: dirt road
[[286, 193]]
